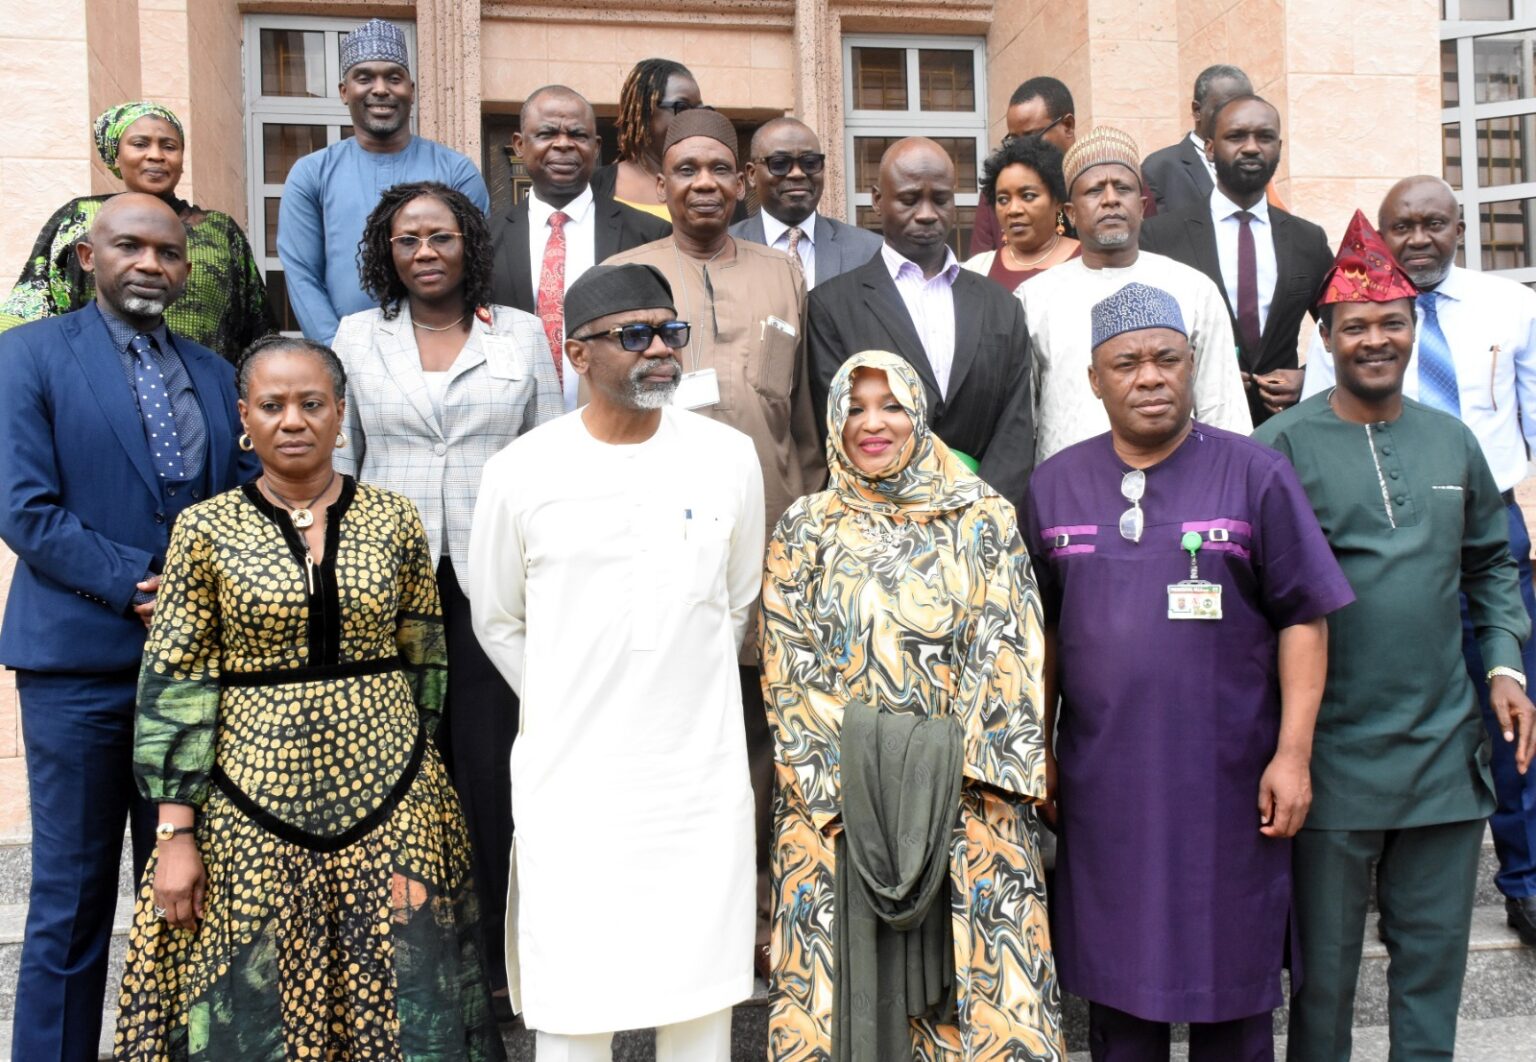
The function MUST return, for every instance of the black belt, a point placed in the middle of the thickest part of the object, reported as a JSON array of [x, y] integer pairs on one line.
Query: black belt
[[317, 673], [1508, 496]]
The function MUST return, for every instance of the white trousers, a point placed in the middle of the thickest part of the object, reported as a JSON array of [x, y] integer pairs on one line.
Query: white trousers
[[706, 1039]]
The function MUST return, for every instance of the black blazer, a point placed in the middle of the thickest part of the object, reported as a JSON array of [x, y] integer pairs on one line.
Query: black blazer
[[1302, 261], [618, 229], [987, 413], [1178, 177]]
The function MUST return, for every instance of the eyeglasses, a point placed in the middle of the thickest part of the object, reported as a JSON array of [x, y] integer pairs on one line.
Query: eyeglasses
[[636, 337], [677, 107], [1011, 137], [810, 163], [1133, 485], [438, 241]]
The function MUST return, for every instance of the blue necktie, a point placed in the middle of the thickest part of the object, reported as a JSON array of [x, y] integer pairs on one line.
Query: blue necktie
[[155, 408], [1437, 372]]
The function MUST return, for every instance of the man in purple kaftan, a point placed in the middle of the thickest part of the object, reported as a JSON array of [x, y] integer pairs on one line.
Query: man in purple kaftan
[[1183, 743]]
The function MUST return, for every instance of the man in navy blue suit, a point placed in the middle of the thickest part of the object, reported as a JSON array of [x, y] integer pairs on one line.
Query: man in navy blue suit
[[109, 427]]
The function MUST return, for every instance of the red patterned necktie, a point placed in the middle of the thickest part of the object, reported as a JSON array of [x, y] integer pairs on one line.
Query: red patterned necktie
[[552, 291]]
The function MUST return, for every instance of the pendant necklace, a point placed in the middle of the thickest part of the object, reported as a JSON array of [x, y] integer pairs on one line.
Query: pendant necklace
[[440, 328], [301, 515], [1031, 265]]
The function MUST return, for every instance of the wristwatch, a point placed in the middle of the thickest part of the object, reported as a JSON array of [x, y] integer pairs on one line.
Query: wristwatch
[[166, 830], [1507, 672]]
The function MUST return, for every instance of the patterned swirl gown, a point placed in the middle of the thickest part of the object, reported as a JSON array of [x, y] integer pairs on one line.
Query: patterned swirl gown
[[934, 613], [292, 706]]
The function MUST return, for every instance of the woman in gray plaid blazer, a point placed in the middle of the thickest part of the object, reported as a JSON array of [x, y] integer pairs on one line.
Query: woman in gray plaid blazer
[[437, 382]]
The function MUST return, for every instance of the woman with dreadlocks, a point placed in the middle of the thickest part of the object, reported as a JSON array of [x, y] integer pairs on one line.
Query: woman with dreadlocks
[[438, 381], [656, 91]]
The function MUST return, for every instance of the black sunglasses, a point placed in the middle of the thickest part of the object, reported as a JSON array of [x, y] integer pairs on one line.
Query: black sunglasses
[[1011, 137], [677, 107], [810, 163], [636, 338]]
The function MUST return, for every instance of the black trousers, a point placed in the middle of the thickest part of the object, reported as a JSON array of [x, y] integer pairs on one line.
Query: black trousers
[[475, 740], [760, 764]]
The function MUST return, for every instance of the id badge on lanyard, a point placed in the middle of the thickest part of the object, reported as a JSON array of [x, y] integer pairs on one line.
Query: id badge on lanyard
[[1194, 598]]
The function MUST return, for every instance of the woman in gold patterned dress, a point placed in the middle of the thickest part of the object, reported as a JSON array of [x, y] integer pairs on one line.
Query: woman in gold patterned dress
[[314, 898], [906, 587]]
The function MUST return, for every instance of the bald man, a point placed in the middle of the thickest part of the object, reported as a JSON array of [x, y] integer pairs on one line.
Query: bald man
[[110, 426], [787, 170], [963, 334], [537, 255], [1475, 358]]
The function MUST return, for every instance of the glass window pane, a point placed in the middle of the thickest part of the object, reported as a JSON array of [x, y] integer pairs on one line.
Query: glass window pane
[[277, 298], [270, 205], [1450, 148], [880, 79], [1502, 67], [283, 145], [1504, 150], [1507, 229], [962, 149], [1484, 10], [946, 80], [293, 64], [868, 149], [1450, 93]]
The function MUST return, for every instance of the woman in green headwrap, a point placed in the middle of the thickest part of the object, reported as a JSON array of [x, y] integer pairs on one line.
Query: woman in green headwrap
[[225, 304]]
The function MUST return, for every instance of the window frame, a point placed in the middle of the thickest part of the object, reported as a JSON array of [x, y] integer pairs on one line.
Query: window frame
[[913, 121], [262, 110]]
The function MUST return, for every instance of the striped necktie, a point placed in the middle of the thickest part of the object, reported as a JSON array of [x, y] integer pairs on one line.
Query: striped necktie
[[1437, 370], [155, 408]]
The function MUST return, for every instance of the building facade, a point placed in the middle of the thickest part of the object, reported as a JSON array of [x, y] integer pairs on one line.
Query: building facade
[[1364, 96]]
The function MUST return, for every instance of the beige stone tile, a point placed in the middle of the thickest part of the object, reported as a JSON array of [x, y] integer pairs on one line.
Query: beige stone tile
[[163, 5], [1075, 70], [1061, 30], [1208, 44], [1141, 20], [1011, 19], [15, 817], [582, 43], [773, 51], [1396, 36], [724, 47], [1256, 36], [63, 20], [32, 189], [10, 728], [1195, 15], [513, 40], [163, 63], [1320, 36], [594, 80], [54, 124], [1328, 201], [1339, 126], [1136, 79], [773, 89], [510, 80], [653, 42]]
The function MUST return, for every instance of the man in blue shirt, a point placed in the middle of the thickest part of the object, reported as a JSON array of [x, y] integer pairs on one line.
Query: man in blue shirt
[[330, 193]]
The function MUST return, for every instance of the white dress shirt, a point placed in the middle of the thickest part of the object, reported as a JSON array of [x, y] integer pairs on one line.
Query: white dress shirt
[[1224, 215], [1490, 325], [776, 235], [580, 254], [1210, 167], [930, 302]]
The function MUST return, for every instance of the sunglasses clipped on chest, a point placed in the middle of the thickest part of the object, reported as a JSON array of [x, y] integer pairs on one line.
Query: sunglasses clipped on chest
[[636, 338]]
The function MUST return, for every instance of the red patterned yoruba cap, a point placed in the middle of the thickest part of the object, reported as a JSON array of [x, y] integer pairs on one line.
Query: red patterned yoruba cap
[[1364, 270]]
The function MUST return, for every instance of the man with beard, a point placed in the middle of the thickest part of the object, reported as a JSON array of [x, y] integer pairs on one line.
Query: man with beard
[[110, 426], [1268, 263], [1103, 178], [1400, 778], [330, 193], [744, 366], [616, 554], [787, 171], [1475, 358]]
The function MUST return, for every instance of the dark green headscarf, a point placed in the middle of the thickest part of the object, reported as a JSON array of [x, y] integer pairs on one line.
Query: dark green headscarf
[[113, 122]]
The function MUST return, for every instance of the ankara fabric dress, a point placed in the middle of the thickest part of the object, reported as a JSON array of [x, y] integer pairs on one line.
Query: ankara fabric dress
[[340, 916], [1168, 903], [224, 306], [912, 594]]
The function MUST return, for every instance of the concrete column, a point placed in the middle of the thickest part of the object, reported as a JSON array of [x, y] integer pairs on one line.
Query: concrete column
[[818, 80], [448, 81]]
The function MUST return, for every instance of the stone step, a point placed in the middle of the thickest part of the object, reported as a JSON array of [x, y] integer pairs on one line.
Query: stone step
[[16, 871]]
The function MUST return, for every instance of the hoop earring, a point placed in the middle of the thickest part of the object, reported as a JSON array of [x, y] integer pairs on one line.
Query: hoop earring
[[341, 441], [246, 444]]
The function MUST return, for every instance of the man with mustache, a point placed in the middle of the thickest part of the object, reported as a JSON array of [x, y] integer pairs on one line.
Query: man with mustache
[[744, 366], [330, 193], [110, 425], [1267, 263], [1103, 177], [616, 554], [1400, 778], [1475, 358]]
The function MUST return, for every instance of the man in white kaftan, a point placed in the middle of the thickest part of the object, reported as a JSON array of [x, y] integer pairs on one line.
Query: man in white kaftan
[[615, 556]]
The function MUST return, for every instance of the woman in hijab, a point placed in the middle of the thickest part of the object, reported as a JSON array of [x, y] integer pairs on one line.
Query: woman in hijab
[[901, 645], [225, 305]]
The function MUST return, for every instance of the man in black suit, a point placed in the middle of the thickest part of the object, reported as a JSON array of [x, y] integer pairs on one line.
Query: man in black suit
[[564, 228], [963, 333], [787, 171], [1268, 264], [1180, 175]]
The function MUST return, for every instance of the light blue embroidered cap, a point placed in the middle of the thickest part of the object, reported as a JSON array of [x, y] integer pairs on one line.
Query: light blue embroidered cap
[[1133, 308], [375, 41]]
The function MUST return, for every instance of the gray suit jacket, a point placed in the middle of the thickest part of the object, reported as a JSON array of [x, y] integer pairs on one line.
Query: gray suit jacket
[[1178, 177], [839, 246]]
